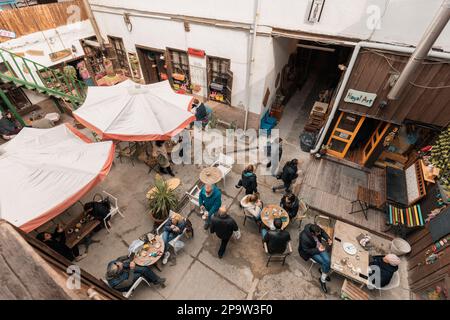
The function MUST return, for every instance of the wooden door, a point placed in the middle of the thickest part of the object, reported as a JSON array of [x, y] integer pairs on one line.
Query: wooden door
[[374, 140], [344, 133]]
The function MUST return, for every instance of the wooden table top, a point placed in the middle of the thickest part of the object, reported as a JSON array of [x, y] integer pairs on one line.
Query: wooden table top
[[172, 184], [210, 175], [272, 211], [344, 232], [143, 257], [73, 238]]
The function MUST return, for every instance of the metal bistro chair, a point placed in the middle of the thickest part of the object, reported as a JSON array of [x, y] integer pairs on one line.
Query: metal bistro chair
[[325, 223], [128, 152], [224, 163], [194, 196], [303, 212], [278, 256], [133, 287], [394, 283], [114, 207]]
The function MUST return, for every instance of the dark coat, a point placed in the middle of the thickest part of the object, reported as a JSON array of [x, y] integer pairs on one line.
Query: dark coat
[[293, 209], [58, 244], [307, 246], [386, 270], [248, 181], [223, 226], [289, 173], [277, 241]]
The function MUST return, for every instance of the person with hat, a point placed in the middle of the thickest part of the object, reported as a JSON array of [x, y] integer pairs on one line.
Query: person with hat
[[122, 273], [223, 226], [387, 266], [210, 200]]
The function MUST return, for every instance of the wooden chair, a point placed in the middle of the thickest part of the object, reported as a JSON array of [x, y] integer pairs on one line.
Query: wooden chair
[[278, 256], [303, 212], [349, 291], [127, 152], [325, 223]]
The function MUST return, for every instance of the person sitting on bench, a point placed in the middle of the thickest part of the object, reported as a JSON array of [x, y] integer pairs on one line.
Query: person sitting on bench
[[122, 273], [387, 266]]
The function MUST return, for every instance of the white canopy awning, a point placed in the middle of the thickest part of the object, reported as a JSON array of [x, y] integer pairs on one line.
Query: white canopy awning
[[132, 112], [45, 171]]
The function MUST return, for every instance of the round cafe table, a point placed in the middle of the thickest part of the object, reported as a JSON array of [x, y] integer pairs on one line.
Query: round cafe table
[[143, 256], [272, 211], [210, 175]]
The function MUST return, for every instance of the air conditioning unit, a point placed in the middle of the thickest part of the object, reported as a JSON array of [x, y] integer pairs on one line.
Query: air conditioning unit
[[315, 11]]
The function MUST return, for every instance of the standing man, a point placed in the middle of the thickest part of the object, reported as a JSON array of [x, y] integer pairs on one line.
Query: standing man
[[210, 200], [224, 226], [310, 247]]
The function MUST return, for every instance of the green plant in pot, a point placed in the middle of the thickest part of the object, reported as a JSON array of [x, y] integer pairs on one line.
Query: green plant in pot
[[161, 201]]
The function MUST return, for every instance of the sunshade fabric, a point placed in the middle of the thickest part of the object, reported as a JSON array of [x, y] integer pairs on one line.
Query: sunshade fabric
[[133, 112], [45, 171]]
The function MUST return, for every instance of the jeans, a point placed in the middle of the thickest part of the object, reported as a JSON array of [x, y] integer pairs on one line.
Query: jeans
[[323, 259], [223, 246], [167, 237], [147, 273]]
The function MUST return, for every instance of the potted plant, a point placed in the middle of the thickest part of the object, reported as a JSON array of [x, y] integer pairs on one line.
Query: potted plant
[[161, 201]]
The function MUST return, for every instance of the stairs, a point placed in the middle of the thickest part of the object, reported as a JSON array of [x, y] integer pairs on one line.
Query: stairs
[[26, 73]]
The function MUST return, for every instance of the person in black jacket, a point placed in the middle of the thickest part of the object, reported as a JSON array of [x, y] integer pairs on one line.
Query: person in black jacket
[[290, 203], [288, 175], [277, 240], [310, 247], [223, 226], [248, 180], [387, 266], [57, 242]]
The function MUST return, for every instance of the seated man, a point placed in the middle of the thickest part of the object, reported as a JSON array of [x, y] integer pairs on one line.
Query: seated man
[[8, 127], [290, 203], [311, 247], [57, 241], [122, 273], [173, 228], [210, 200], [277, 240], [387, 265]]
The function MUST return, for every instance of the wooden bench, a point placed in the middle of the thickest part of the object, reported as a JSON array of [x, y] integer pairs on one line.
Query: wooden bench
[[349, 291]]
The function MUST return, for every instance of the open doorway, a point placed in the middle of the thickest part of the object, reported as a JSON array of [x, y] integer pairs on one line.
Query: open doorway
[[308, 84], [153, 64]]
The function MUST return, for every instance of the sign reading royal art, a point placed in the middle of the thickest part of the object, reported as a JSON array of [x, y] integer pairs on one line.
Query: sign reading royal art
[[360, 97]]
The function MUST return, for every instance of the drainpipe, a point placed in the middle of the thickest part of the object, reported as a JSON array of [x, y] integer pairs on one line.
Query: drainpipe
[[428, 39], [348, 71], [94, 24], [251, 59]]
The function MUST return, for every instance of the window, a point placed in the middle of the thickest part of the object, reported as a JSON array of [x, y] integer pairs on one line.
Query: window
[[121, 54], [220, 80], [179, 70]]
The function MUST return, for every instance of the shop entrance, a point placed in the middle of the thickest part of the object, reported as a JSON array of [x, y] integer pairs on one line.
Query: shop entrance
[[153, 64], [308, 83]]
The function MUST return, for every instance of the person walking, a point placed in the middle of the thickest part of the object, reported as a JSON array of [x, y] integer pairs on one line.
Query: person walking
[[288, 175], [223, 226], [248, 180], [160, 153], [210, 200]]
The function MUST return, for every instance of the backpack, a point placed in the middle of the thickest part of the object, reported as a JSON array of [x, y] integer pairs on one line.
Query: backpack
[[189, 229]]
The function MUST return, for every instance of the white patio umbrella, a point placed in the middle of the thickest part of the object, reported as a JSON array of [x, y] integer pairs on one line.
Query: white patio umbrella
[[45, 171], [132, 112]]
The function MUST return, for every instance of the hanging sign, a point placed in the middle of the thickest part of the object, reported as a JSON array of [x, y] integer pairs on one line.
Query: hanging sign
[[360, 97], [196, 52], [7, 34]]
